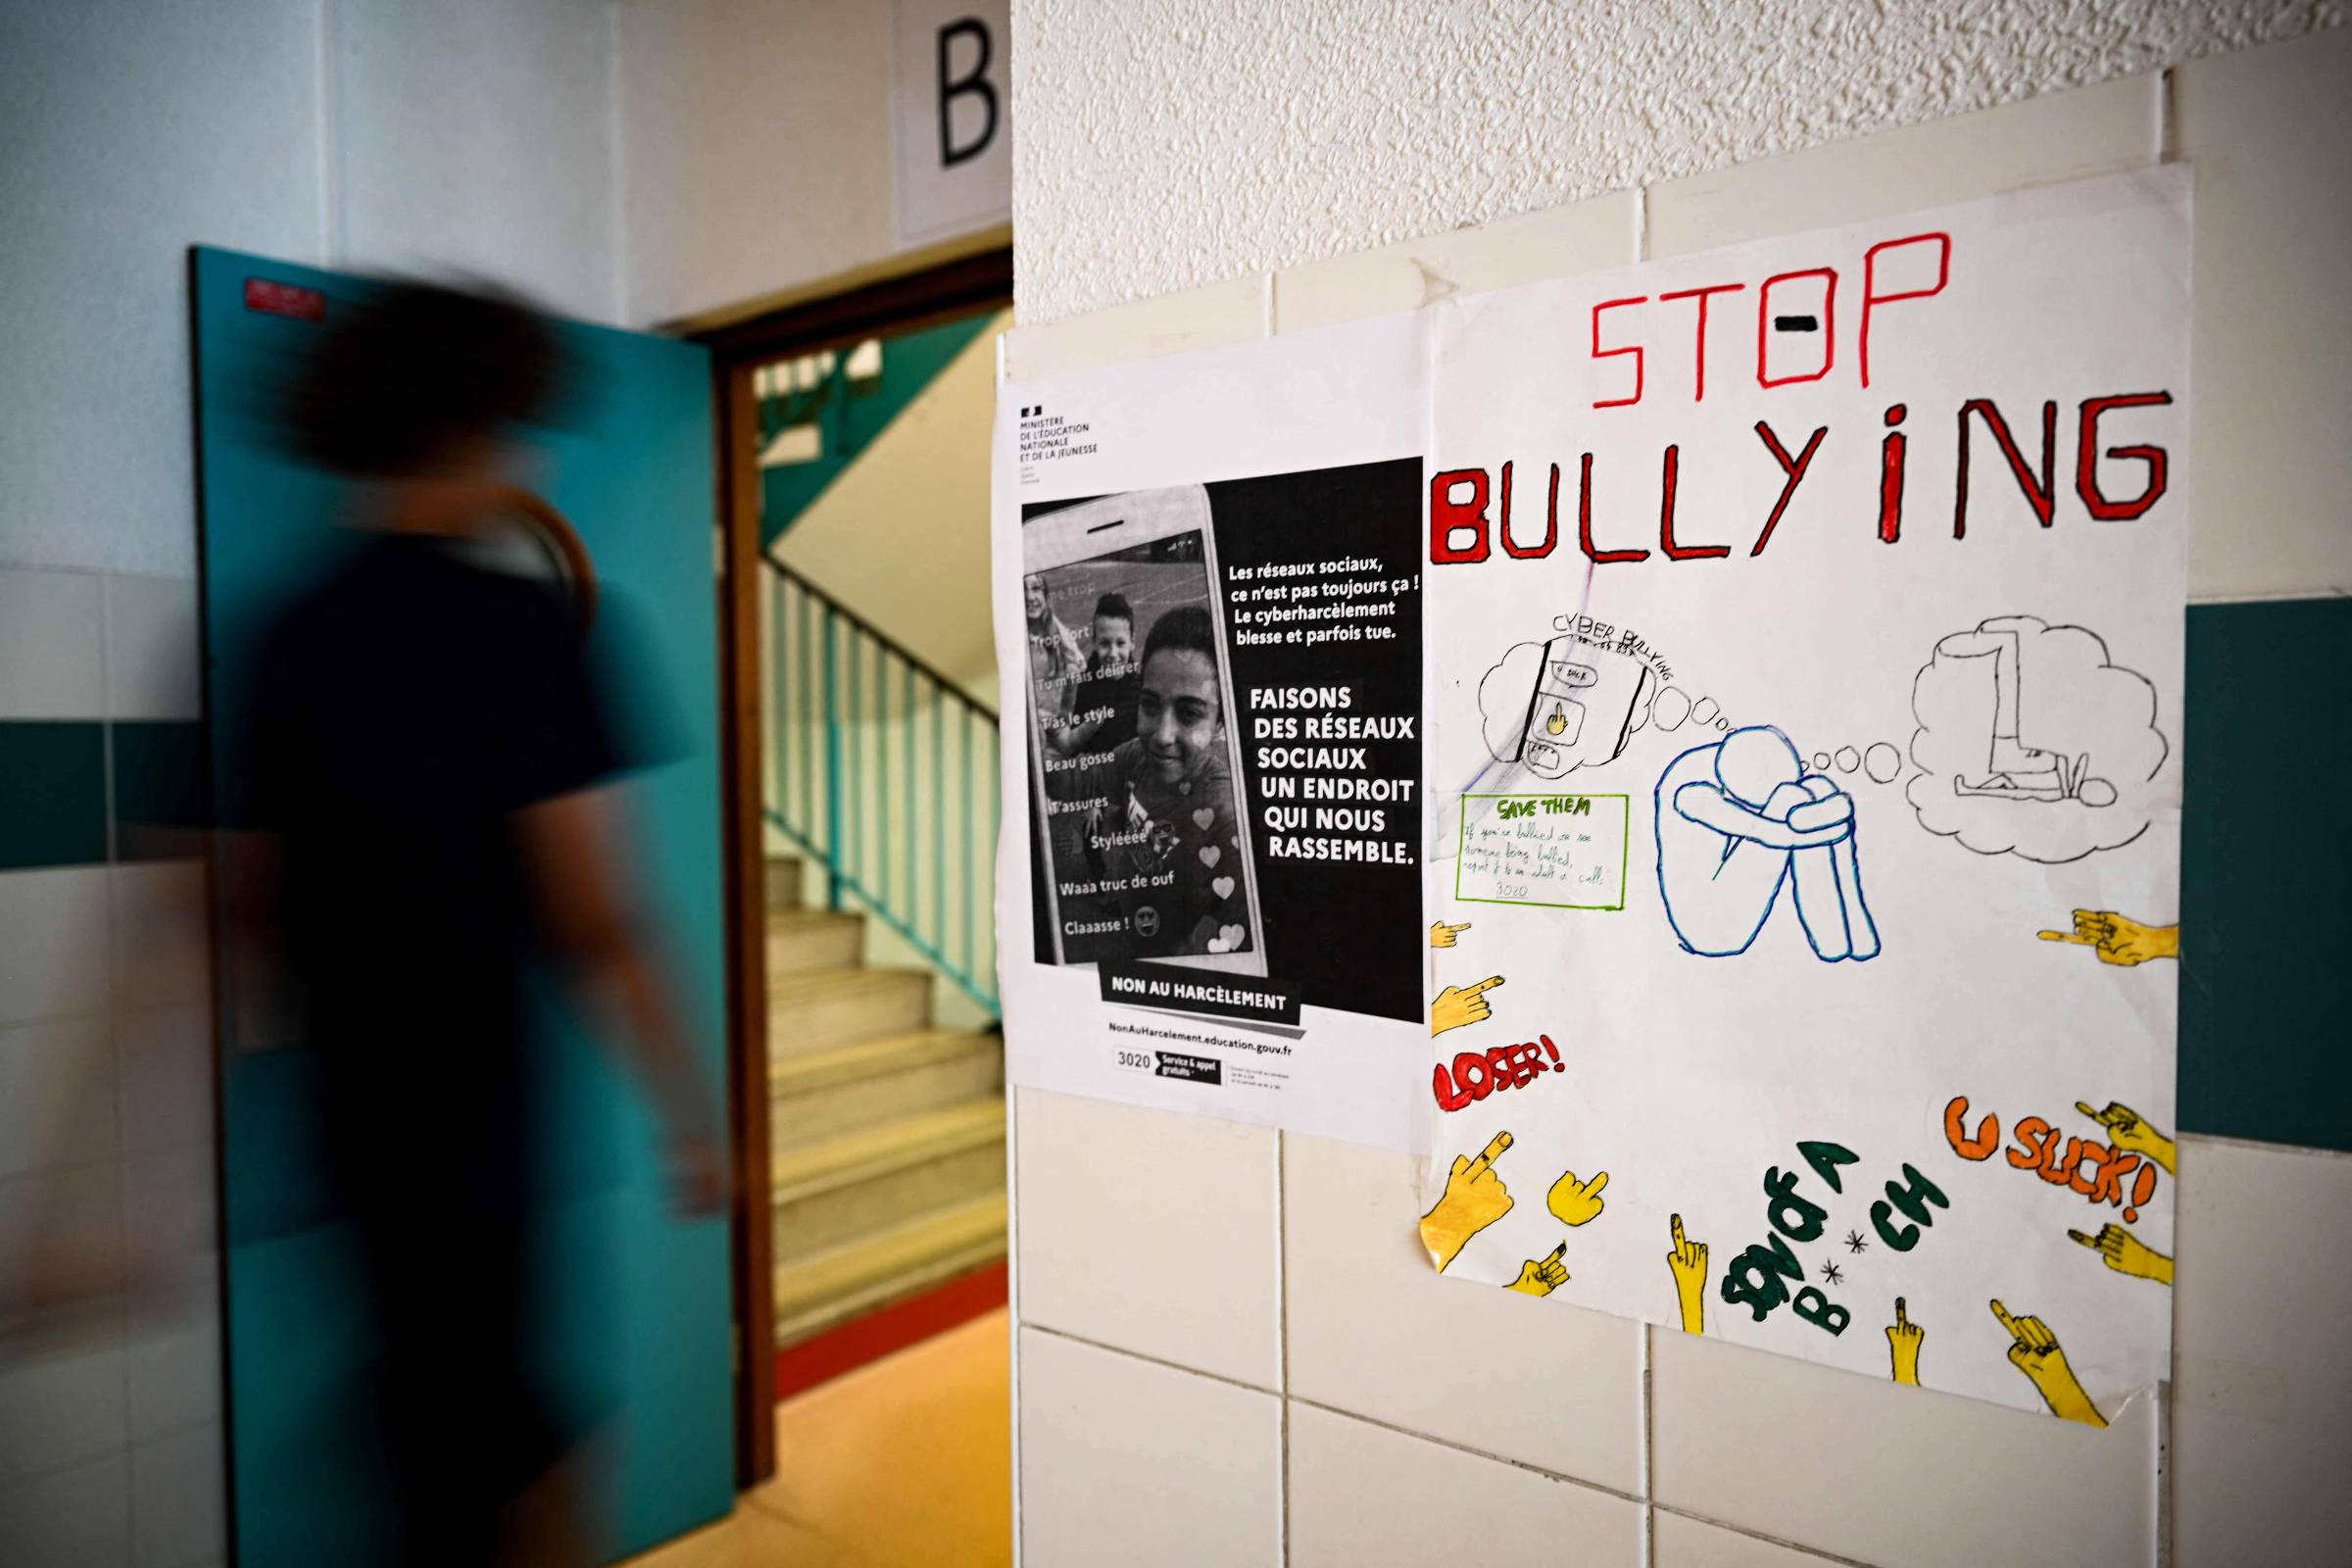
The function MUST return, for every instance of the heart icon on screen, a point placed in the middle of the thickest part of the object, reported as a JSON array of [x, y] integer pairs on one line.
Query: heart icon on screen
[[1222, 887], [1231, 936], [1203, 818], [1211, 856]]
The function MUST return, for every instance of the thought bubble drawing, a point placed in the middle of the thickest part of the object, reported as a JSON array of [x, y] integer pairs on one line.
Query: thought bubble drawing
[[2032, 744], [1560, 706], [1879, 761], [1673, 708]]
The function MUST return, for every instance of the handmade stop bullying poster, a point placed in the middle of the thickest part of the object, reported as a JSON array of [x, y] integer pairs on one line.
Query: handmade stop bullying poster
[[1797, 730]]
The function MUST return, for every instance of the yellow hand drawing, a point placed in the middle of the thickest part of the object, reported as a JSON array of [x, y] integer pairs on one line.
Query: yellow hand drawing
[[1688, 1262], [1541, 1276], [1441, 935], [2119, 938], [1903, 1340], [2127, 1130], [2127, 1253], [1457, 1005], [1575, 1202], [2033, 1350], [1474, 1198]]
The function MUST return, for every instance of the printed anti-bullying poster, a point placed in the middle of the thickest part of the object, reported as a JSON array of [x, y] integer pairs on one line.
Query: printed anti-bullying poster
[[1804, 630], [1209, 631]]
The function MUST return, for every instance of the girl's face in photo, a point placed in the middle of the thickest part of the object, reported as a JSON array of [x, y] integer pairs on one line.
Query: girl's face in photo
[[1033, 589], [1114, 643], [1178, 716]]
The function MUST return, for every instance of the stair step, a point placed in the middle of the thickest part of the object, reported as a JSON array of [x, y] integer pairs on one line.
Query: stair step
[[823, 1094], [864, 1183], [783, 881], [829, 1288], [821, 1008], [802, 940]]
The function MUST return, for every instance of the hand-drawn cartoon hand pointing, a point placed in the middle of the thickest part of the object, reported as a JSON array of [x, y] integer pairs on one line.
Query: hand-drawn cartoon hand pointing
[[2127, 1129], [2127, 1253], [2120, 939], [1541, 1276], [2033, 1350], [1903, 1340], [1474, 1198], [1688, 1262], [1457, 1005], [1575, 1202], [1441, 935]]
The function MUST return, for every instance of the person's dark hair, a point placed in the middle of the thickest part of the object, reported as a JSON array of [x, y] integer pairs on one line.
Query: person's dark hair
[[403, 379], [1185, 627], [1114, 606]]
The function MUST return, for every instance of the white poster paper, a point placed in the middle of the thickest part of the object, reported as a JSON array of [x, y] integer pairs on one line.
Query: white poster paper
[[1696, 748], [1208, 628], [1805, 630]]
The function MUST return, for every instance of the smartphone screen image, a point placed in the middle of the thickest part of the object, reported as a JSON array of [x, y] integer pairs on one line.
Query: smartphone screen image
[[1134, 746]]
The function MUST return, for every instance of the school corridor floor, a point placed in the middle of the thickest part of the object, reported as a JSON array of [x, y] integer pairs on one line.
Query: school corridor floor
[[901, 1463]]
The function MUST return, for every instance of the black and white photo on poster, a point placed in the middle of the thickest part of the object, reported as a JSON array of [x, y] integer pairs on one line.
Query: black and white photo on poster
[[1223, 752]]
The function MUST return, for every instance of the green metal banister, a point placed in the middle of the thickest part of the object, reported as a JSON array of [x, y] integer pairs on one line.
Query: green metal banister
[[835, 763]]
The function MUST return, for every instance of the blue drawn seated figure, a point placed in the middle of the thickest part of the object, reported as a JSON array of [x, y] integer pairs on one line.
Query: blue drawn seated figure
[[1738, 818]]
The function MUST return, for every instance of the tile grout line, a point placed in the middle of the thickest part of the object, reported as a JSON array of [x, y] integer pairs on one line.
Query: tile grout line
[[1350, 1415], [1649, 1451], [1282, 1326], [2260, 1146], [1013, 1252], [114, 1051], [2166, 129], [105, 706], [616, 139], [2171, 1382], [330, 143], [1782, 1542]]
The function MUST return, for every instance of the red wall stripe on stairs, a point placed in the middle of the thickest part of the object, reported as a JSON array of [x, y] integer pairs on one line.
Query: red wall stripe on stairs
[[892, 1328]]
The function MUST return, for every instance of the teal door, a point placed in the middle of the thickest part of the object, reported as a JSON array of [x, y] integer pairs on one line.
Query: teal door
[[632, 469]]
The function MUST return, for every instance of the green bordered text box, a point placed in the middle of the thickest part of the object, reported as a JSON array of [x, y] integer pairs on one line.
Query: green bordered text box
[[1625, 820]]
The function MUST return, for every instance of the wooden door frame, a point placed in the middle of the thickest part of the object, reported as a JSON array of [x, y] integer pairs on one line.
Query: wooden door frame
[[964, 286]]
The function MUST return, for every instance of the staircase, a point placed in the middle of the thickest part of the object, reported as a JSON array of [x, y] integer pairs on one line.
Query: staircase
[[886, 1133]]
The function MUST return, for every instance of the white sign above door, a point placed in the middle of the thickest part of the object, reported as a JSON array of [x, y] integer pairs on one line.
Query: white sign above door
[[952, 117]]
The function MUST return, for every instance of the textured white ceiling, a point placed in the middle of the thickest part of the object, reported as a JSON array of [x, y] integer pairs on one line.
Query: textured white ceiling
[[1162, 144]]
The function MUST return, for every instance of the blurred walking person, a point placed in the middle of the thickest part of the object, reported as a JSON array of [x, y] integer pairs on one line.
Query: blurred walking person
[[426, 829]]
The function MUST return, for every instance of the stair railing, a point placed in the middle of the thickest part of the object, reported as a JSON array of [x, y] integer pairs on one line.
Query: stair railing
[[885, 772]]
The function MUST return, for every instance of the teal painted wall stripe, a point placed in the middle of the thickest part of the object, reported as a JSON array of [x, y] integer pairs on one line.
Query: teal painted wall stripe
[[2266, 912], [2264, 903], [52, 793], [159, 790]]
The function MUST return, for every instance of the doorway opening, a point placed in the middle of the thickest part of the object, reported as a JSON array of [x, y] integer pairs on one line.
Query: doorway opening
[[860, 711]]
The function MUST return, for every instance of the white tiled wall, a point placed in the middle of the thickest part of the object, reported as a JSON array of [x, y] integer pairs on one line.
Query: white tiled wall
[[1361, 1494], [110, 1411], [1143, 1464], [1421, 1421], [2262, 1372], [1152, 1233], [1376, 1333], [350, 133]]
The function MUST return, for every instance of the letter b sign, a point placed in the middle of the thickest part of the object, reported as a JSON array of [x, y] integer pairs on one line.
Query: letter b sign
[[953, 115]]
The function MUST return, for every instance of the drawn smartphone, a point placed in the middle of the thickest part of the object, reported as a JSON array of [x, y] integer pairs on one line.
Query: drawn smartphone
[[1582, 709], [1148, 844]]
